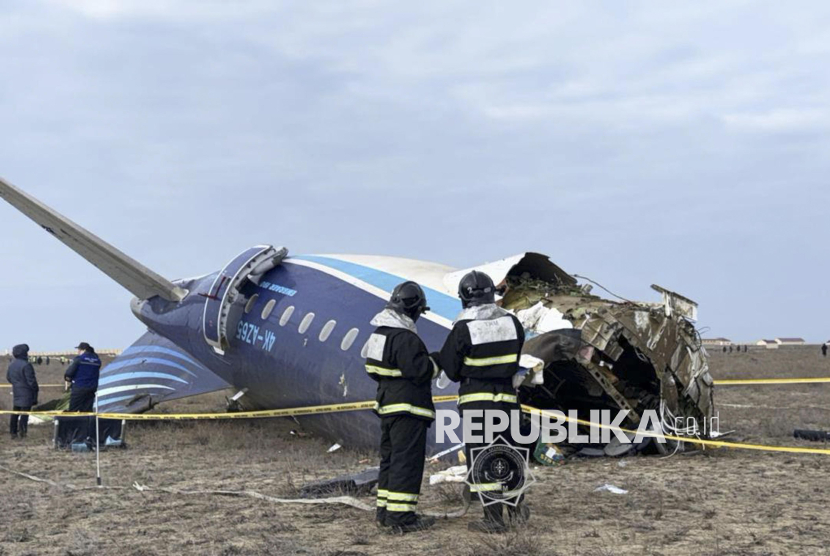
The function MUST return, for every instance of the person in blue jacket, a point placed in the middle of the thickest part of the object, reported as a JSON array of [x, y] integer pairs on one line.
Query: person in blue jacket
[[22, 377], [83, 373]]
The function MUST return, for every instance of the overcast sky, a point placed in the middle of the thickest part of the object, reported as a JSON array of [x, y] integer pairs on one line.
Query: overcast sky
[[678, 143]]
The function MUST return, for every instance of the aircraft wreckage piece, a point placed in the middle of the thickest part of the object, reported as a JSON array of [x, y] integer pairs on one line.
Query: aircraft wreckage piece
[[603, 354], [291, 331]]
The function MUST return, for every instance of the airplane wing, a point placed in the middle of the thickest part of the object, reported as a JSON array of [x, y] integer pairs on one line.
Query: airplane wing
[[153, 370], [135, 277]]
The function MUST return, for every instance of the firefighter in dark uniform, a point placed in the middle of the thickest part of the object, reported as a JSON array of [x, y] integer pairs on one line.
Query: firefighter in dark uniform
[[82, 374], [399, 361], [482, 353]]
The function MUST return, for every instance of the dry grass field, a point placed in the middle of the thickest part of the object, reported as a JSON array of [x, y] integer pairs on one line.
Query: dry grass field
[[718, 502]]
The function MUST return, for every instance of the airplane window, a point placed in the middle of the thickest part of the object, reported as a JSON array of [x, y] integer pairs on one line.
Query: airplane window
[[349, 339], [306, 322], [326, 331], [269, 308], [365, 351], [286, 315], [251, 303]]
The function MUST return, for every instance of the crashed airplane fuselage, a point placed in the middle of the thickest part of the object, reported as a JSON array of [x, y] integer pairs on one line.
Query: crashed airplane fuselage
[[289, 331]]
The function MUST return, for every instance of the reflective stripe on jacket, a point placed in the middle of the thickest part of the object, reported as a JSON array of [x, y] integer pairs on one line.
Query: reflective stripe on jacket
[[483, 355], [399, 362]]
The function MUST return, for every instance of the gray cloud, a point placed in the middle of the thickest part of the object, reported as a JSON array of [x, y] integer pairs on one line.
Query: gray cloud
[[684, 145]]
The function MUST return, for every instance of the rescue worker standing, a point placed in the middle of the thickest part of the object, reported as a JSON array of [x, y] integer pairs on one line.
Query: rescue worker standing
[[82, 374], [25, 389], [399, 361], [482, 353]]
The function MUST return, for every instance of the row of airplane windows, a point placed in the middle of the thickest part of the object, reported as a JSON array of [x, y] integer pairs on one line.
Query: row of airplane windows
[[328, 328]]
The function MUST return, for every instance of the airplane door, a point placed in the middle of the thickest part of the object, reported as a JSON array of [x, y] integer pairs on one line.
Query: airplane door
[[249, 265]]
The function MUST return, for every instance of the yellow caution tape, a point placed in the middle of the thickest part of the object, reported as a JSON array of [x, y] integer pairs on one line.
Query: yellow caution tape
[[259, 414], [690, 440], [267, 413], [358, 406], [741, 381], [40, 385], [721, 382]]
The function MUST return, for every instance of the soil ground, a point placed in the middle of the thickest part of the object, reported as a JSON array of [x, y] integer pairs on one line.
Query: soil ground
[[716, 502]]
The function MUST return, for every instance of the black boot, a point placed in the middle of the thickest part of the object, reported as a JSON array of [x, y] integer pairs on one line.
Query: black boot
[[380, 517], [420, 523], [487, 527], [493, 522], [518, 515]]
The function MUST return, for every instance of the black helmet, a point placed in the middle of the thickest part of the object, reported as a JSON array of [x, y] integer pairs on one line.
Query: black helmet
[[408, 298], [476, 288]]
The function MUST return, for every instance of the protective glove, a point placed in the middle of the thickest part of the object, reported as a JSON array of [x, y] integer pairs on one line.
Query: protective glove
[[519, 378], [436, 370]]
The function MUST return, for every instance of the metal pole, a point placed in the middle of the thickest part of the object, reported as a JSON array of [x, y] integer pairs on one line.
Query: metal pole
[[97, 444]]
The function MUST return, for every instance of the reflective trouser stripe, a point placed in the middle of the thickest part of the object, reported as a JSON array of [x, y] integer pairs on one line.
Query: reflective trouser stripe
[[402, 497], [485, 487], [510, 493], [487, 361], [372, 369], [396, 407], [382, 494], [381, 503], [487, 397], [401, 507]]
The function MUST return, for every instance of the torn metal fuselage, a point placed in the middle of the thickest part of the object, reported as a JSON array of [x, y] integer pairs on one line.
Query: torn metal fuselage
[[617, 355]]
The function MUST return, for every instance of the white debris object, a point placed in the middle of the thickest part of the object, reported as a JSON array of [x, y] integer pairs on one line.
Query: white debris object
[[542, 319], [611, 488], [536, 367], [334, 448], [452, 475]]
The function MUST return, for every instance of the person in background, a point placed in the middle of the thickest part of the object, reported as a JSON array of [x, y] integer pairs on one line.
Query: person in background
[[824, 349], [82, 374], [22, 377]]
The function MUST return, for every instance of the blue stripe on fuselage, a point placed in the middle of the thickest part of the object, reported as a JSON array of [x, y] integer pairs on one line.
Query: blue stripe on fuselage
[[139, 374], [160, 349], [440, 303], [148, 360]]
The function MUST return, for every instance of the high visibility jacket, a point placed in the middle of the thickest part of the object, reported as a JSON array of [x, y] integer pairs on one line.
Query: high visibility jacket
[[482, 353], [398, 360]]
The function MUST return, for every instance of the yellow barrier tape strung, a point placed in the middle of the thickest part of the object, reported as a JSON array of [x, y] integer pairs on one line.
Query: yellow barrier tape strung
[[358, 406], [741, 381], [267, 413], [690, 440], [259, 414], [721, 382], [40, 385]]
